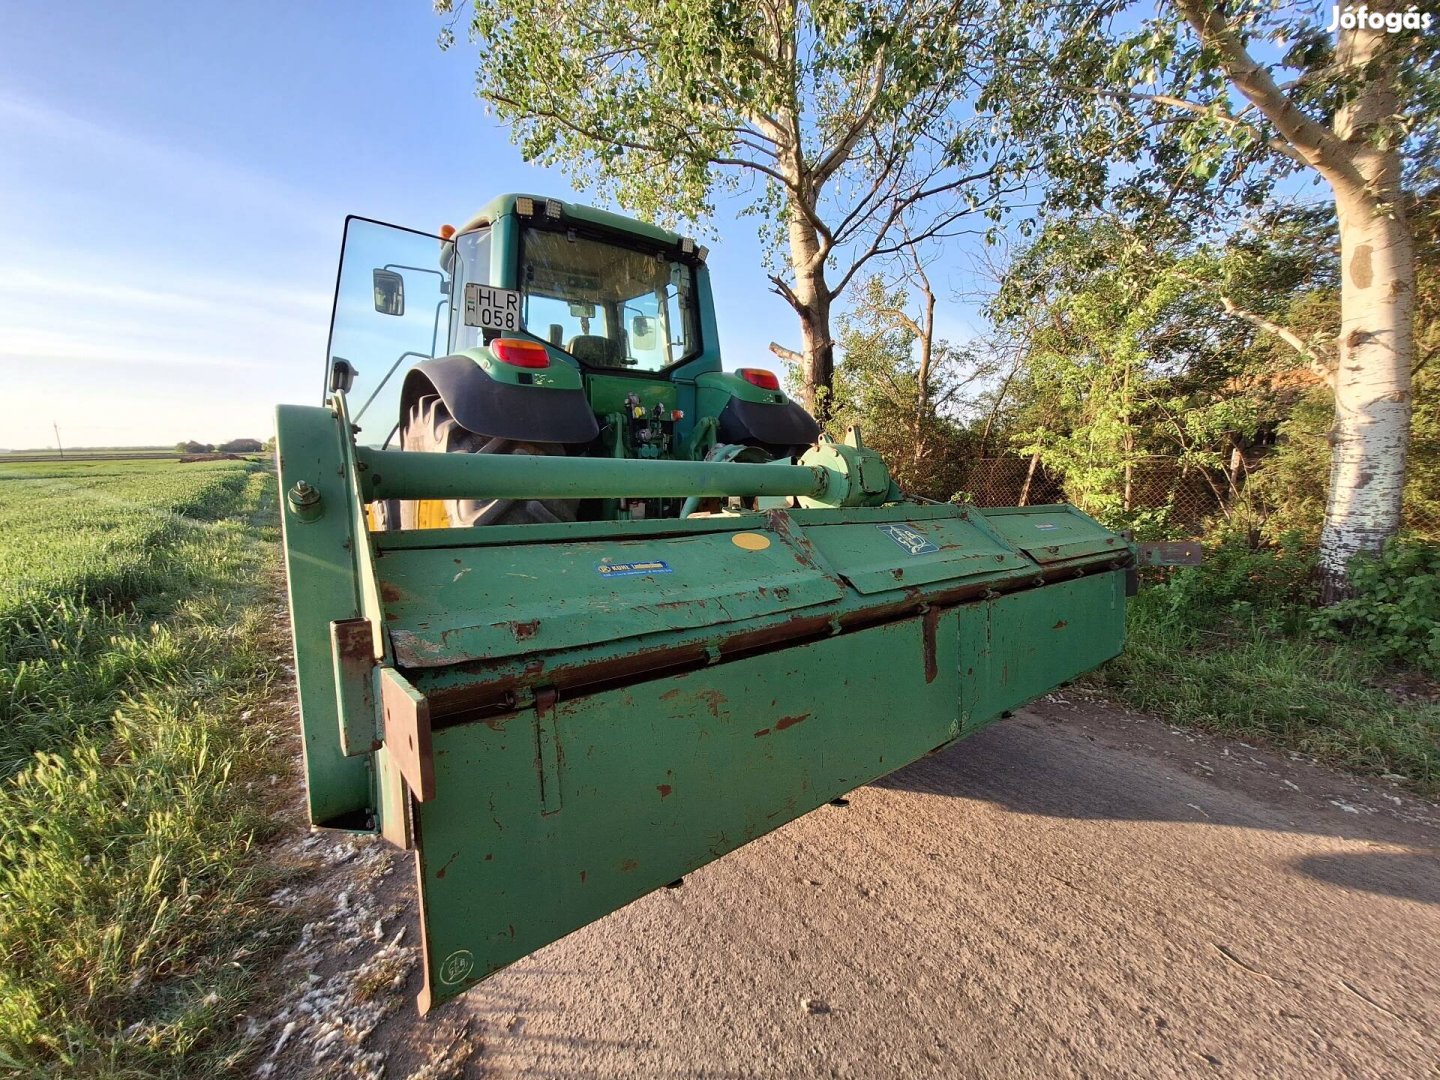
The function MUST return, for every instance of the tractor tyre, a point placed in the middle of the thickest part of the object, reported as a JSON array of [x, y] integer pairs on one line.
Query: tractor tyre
[[429, 427]]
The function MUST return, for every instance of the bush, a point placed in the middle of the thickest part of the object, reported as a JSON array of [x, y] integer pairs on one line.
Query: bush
[[1273, 587], [1395, 605]]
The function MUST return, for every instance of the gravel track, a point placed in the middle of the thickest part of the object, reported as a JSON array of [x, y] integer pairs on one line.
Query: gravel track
[[1077, 891]]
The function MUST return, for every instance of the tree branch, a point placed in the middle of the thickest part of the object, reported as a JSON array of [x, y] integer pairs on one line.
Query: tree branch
[[1315, 142], [1313, 360], [1280, 146]]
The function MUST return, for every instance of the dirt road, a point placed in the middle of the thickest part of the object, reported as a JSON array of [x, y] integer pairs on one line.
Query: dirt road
[[1077, 891]]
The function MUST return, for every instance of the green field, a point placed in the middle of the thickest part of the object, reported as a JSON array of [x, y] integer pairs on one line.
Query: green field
[[137, 634]]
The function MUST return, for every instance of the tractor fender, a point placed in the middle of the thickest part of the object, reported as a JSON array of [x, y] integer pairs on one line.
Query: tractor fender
[[487, 406], [784, 426]]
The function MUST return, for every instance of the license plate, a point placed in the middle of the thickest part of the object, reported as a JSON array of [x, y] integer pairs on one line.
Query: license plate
[[490, 308]]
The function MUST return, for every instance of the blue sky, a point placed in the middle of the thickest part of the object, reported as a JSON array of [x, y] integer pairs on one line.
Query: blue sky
[[173, 183]]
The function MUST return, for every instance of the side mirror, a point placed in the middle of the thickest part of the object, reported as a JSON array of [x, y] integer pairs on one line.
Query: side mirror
[[642, 332], [342, 375], [389, 292]]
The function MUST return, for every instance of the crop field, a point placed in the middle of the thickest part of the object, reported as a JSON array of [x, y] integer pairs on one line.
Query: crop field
[[137, 636]]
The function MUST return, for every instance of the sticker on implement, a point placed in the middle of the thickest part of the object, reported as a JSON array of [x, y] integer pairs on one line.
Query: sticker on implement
[[1044, 526], [911, 539], [491, 309], [632, 569]]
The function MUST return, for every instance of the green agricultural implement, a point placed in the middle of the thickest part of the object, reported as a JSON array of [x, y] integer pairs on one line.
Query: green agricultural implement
[[688, 617]]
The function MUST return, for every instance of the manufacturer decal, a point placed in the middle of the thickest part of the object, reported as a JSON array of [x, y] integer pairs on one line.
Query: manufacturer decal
[[456, 966], [1044, 526], [632, 569], [910, 538]]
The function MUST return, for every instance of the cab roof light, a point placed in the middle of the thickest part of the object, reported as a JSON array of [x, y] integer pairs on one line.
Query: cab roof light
[[447, 231], [552, 209], [760, 377], [687, 245], [525, 206], [517, 352]]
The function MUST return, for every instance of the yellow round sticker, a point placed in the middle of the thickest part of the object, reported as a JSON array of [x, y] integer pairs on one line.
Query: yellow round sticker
[[750, 541]]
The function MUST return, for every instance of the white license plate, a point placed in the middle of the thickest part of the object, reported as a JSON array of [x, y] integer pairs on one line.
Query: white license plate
[[490, 308]]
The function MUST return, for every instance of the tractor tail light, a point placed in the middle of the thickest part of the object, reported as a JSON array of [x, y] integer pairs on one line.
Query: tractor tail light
[[520, 353], [755, 376]]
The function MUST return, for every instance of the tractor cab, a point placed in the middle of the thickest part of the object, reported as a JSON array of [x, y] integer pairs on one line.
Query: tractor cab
[[542, 327], [604, 300]]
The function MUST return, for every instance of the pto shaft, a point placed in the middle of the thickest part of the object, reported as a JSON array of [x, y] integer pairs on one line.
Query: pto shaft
[[394, 474]]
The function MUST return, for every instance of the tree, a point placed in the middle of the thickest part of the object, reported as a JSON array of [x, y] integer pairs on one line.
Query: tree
[[846, 121], [905, 388], [1123, 358], [1210, 108]]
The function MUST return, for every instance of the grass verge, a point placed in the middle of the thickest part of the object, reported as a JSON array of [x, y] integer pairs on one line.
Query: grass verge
[[1273, 681], [137, 638]]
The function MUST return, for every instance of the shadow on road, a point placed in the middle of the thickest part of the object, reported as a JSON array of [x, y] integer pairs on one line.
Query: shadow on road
[[1389, 873], [1085, 768]]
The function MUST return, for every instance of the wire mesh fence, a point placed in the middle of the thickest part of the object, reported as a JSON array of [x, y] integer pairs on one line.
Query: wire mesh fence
[[1194, 497]]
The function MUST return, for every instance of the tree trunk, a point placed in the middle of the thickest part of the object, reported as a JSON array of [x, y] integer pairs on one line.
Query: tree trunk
[[1372, 387], [810, 297], [1359, 157], [923, 407], [1029, 476], [1377, 295], [818, 351]]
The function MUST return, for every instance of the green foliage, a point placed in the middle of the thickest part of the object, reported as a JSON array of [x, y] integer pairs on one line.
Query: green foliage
[[1235, 646], [906, 411], [1286, 492], [1152, 128], [1395, 604], [135, 633], [662, 105], [1185, 121], [1273, 587], [1332, 700], [1120, 364]]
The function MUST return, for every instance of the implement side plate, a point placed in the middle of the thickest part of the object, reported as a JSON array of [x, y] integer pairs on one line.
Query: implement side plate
[[659, 779]]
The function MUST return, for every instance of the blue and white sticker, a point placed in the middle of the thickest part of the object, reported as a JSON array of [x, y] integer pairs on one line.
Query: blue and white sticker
[[911, 539], [632, 569]]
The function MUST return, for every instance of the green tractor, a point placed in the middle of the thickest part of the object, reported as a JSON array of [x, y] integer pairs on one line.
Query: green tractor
[[570, 332], [578, 611]]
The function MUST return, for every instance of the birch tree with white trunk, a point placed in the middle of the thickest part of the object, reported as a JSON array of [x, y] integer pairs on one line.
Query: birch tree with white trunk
[[1212, 109]]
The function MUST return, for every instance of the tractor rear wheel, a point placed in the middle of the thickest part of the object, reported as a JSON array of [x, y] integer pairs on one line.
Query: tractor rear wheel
[[429, 427]]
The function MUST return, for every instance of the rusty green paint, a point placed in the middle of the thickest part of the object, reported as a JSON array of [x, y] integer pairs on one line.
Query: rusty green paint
[[667, 775]]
